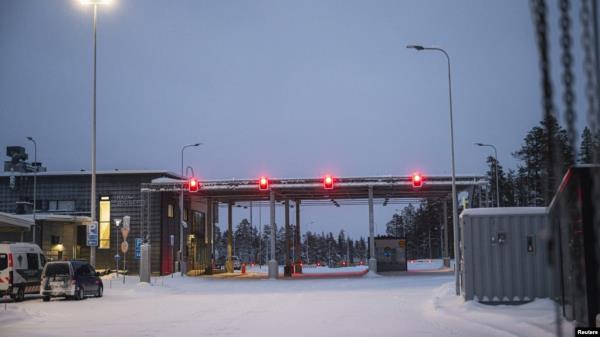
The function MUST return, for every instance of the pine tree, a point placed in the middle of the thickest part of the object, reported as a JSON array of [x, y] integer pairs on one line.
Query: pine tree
[[543, 147], [244, 240], [395, 227], [509, 190], [341, 245], [586, 149], [360, 247]]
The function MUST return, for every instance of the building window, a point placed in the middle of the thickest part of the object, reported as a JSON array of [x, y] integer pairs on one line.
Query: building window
[[170, 211], [104, 223], [61, 205]]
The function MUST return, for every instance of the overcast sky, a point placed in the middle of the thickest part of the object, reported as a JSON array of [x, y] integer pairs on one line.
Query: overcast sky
[[277, 88]]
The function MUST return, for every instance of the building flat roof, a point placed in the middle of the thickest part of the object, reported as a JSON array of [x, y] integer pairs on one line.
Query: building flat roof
[[10, 222], [14, 222], [87, 173]]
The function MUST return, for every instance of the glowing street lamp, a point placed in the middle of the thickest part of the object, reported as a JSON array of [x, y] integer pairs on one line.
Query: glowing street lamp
[[454, 195], [95, 3]]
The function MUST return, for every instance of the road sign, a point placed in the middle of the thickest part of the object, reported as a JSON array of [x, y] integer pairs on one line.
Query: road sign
[[92, 234], [125, 232], [172, 240], [126, 221], [138, 248]]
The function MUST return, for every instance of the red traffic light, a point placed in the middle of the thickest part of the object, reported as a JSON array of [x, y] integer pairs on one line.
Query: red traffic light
[[263, 184], [328, 182], [417, 180], [193, 185]]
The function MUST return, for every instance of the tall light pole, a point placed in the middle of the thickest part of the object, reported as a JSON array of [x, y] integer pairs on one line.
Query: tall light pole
[[34, 186], [454, 196], [496, 166], [95, 3], [181, 225]]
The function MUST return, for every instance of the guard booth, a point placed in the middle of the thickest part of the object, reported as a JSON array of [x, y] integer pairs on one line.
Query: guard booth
[[390, 253]]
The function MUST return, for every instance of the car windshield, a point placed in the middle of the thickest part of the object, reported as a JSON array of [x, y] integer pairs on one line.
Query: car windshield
[[53, 269]]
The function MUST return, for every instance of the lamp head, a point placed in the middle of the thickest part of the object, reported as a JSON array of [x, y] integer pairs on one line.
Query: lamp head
[[414, 46], [95, 2]]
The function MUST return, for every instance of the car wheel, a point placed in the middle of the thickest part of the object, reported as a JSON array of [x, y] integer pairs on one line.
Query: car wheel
[[99, 292], [20, 295], [80, 294], [46, 298]]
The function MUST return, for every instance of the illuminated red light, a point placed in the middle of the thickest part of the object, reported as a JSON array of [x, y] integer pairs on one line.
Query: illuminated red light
[[193, 185], [263, 184], [328, 182], [417, 180]]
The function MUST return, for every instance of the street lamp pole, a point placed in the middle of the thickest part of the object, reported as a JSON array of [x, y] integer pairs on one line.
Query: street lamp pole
[[454, 196], [95, 3], [34, 187], [496, 166], [180, 255]]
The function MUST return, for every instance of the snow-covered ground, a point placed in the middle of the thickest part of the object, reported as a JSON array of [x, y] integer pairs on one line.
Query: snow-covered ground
[[419, 304]]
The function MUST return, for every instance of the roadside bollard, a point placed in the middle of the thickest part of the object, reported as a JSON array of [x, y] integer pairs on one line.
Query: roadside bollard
[[243, 268]]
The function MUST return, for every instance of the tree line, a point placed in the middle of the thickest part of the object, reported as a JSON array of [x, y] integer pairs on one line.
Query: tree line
[[253, 246], [543, 159]]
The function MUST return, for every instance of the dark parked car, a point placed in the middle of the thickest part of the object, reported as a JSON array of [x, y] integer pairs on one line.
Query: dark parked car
[[70, 279]]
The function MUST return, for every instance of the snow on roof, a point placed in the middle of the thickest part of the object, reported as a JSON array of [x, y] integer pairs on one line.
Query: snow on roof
[[85, 172], [13, 222], [165, 180], [504, 211], [55, 217]]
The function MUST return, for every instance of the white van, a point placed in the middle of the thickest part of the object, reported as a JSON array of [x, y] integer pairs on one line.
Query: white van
[[21, 266]]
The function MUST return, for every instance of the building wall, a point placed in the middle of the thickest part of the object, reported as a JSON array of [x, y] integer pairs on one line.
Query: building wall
[[67, 249], [125, 197]]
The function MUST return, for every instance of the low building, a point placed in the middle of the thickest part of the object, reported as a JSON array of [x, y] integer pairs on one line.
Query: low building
[[63, 212], [390, 253]]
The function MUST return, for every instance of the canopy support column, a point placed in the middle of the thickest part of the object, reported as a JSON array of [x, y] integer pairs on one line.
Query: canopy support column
[[229, 264], [273, 265], [287, 255], [446, 243], [298, 243], [372, 259]]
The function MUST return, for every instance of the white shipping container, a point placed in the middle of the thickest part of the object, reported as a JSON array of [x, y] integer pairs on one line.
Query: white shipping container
[[505, 255]]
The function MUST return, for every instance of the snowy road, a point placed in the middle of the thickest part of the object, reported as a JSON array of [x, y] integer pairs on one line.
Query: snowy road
[[414, 305]]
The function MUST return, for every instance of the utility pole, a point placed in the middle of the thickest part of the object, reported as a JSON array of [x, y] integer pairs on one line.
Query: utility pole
[[35, 167], [182, 224]]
